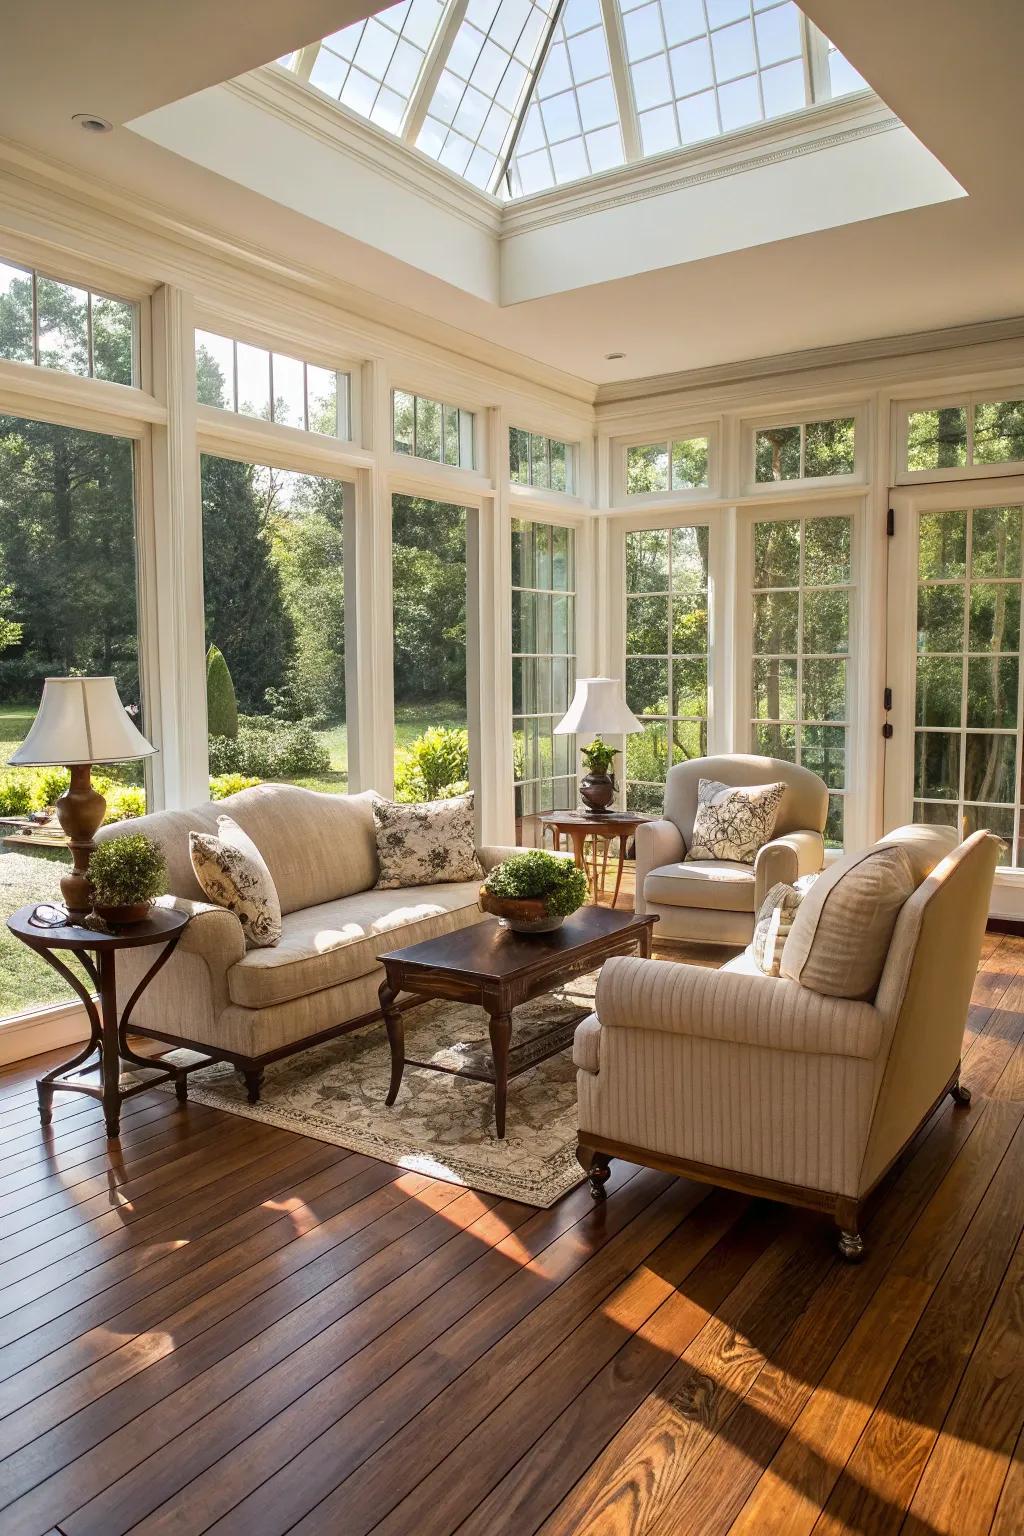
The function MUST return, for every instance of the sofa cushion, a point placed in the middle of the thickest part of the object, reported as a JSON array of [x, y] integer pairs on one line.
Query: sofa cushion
[[232, 872], [733, 822], [338, 941], [772, 926], [317, 847], [425, 843], [717, 883], [842, 930]]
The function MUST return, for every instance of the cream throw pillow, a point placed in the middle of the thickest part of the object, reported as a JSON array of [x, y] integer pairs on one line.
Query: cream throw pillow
[[234, 874], [772, 926], [733, 821], [841, 933], [430, 843]]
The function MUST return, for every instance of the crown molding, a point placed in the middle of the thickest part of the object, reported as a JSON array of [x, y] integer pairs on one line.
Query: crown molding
[[887, 358], [273, 89], [802, 133]]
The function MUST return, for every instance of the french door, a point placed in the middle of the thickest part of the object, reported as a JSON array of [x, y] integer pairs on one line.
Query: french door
[[953, 662]]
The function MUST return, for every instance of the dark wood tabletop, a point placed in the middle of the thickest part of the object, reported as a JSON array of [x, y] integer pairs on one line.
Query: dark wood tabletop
[[489, 950], [161, 924]]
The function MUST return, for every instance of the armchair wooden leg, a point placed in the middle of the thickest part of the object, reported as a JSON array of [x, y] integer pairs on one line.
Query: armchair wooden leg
[[851, 1244], [960, 1094], [597, 1167], [253, 1082]]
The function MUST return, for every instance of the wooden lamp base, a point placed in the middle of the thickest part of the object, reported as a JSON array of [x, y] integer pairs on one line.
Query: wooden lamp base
[[80, 811]]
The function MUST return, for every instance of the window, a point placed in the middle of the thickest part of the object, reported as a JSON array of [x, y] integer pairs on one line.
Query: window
[[428, 562], [967, 768], [429, 429], [801, 649], [66, 506], [808, 450], [666, 656], [274, 590], [967, 434], [481, 90], [571, 128], [541, 461], [681, 465], [372, 66], [543, 670], [235, 376], [57, 325]]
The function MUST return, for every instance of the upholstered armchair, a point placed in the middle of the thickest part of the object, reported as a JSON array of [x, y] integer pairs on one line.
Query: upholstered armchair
[[713, 901], [761, 1084]]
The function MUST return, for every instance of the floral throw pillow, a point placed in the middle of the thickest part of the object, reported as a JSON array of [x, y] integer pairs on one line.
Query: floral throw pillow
[[772, 924], [233, 874], [430, 843], [733, 821]]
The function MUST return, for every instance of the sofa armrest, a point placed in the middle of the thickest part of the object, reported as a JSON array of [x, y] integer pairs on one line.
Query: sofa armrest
[[785, 859], [214, 935], [767, 1011], [491, 855], [657, 842]]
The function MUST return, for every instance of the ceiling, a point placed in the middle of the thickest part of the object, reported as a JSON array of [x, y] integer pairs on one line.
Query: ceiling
[[947, 70]]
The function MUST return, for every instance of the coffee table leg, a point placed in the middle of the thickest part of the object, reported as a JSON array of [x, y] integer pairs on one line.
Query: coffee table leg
[[622, 860], [644, 944], [396, 1039], [501, 1034]]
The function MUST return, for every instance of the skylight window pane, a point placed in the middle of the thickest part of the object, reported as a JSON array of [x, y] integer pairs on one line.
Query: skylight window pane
[[422, 22], [843, 78], [492, 134], [698, 117], [722, 11], [733, 50], [346, 41], [578, 15], [605, 149], [597, 107], [534, 172], [404, 68], [778, 34], [658, 130], [739, 104], [589, 55], [652, 84], [683, 20], [643, 32], [555, 75], [388, 109], [375, 48], [372, 67], [561, 119], [328, 73], [359, 92], [691, 67], [570, 160], [784, 88]]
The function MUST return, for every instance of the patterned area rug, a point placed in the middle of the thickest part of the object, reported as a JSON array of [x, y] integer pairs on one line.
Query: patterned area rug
[[441, 1125]]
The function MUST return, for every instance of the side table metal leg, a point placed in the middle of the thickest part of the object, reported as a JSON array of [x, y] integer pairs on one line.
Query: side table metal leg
[[110, 1080], [501, 1034], [395, 1026], [45, 1092], [622, 860]]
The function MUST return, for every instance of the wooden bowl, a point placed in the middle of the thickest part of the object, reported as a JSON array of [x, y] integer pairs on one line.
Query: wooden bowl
[[121, 917], [523, 914]]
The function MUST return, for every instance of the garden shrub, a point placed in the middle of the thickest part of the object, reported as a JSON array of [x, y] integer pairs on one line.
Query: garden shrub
[[289, 752], [224, 784], [124, 802], [435, 766], [47, 787], [15, 796], [221, 705]]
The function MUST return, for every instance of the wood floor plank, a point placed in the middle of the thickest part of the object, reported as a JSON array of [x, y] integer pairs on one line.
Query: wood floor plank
[[1009, 1516]]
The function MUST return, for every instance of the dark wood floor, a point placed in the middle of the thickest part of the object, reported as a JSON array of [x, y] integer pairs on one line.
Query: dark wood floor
[[222, 1326]]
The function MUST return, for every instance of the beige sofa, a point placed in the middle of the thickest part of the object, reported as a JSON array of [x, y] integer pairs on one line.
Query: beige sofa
[[760, 1084], [713, 901], [253, 1007]]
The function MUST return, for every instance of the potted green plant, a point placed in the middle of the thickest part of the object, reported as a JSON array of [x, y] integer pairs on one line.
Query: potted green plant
[[598, 786], [533, 892], [126, 873]]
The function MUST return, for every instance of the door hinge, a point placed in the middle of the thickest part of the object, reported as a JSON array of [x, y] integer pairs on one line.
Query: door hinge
[[890, 522], [887, 699]]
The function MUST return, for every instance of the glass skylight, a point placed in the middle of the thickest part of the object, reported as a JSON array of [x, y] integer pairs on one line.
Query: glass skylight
[[482, 88], [572, 126], [373, 65], [518, 96]]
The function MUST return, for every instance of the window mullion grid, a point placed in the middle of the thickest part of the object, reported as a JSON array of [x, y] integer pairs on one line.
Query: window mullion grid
[[817, 81], [714, 69], [303, 66], [533, 74], [757, 60], [622, 85], [431, 71]]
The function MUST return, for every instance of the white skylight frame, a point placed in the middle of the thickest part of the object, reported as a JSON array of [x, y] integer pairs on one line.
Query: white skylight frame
[[517, 97]]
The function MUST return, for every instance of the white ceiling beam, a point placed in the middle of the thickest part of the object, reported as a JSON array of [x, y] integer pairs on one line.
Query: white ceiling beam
[[430, 74], [615, 33], [519, 116]]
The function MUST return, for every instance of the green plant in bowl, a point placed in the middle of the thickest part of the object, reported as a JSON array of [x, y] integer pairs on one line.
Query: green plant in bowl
[[126, 873], [533, 892]]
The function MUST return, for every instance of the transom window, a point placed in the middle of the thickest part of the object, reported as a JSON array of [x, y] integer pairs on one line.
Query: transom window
[[666, 656], [967, 743], [807, 450], [235, 376], [964, 434], [801, 649], [541, 461], [679, 465], [430, 429], [543, 670], [58, 325]]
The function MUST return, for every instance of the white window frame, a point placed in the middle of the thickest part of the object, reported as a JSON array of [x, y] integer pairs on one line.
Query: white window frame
[[942, 400], [344, 370], [573, 460], [619, 451], [811, 484], [469, 432]]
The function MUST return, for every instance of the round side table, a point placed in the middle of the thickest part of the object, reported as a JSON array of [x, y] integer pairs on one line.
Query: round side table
[[96, 954], [607, 825]]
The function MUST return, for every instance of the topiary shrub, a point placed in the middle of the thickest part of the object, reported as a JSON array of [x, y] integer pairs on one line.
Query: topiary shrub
[[539, 874], [125, 870], [221, 704], [15, 795], [435, 766], [224, 784]]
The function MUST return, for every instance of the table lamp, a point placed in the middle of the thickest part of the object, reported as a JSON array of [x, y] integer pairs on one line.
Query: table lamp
[[80, 721], [598, 705]]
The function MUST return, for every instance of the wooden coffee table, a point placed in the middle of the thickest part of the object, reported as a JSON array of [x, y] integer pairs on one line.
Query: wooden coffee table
[[489, 965]]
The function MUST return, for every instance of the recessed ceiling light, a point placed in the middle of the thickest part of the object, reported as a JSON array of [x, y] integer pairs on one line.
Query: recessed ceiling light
[[90, 123], [613, 357]]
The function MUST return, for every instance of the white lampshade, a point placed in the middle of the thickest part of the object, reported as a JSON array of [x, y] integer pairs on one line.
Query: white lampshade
[[598, 708], [80, 720]]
